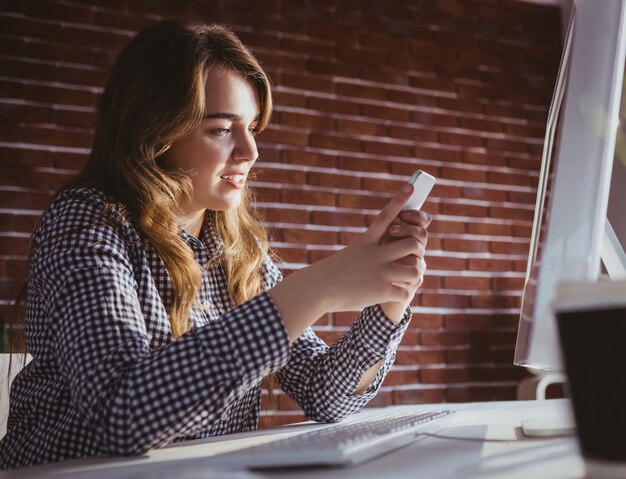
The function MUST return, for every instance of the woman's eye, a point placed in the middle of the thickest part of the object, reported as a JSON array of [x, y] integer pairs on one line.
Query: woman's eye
[[220, 131]]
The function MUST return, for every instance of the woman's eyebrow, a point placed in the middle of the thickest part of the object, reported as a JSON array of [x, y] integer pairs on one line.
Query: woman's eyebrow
[[227, 116]]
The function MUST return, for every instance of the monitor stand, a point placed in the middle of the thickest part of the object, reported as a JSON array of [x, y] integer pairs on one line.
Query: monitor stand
[[548, 427], [535, 387]]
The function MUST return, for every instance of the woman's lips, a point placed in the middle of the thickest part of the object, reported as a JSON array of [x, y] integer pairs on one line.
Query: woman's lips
[[235, 181]]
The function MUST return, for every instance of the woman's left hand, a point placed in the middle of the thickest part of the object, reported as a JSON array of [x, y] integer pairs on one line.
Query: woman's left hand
[[412, 223]]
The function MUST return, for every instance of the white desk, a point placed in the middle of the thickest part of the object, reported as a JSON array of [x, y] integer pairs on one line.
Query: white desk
[[493, 447]]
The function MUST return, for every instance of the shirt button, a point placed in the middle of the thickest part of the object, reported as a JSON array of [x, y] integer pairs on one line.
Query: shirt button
[[224, 416]]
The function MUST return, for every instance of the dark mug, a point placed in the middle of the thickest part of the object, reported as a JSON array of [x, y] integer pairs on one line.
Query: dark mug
[[591, 319]]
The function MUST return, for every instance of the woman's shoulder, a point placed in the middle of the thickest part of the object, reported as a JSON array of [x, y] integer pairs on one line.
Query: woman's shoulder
[[79, 210]]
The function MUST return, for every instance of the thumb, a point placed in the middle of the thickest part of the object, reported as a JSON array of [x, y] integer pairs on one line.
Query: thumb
[[379, 226]]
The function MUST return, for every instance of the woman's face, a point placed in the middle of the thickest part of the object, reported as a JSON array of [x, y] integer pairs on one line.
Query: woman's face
[[219, 153]]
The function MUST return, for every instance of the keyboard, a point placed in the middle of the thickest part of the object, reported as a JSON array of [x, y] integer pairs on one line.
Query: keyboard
[[344, 444]]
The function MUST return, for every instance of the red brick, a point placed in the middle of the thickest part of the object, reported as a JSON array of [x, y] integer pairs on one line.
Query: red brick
[[444, 338], [420, 356], [419, 63], [484, 264], [481, 125], [309, 197], [523, 231], [466, 282], [446, 263], [361, 56], [335, 142], [464, 105], [522, 197], [376, 73], [465, 210], [460, 139], [334, 68], [385, 112], [419, 396], [396, 377], [305, 45], [363, 164], [360, 127], [286, 98], [383, 398], [510, 178], [279, 175], [490, 229], [388, 148], [346, 200], [412, 133], [266, 194], [298, 157], [285, 215], [473, 246], [506, 283], [444, 375], [474, 355], [484, 158], [510, 248], [464, 174], [494, 301], [292, 255], [512, 213], [306, 82], [283, 135], [485, 194], [360, 91], [337, 219], [440, 154], [331, 32], [330, 180], [304, 120], [447, 227], [333, 105], [444, 300]]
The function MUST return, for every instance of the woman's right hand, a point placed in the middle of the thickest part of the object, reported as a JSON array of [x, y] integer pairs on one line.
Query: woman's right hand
[[359, 275]]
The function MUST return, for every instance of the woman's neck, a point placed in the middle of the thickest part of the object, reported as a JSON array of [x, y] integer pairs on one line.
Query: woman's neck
[[192, 222]]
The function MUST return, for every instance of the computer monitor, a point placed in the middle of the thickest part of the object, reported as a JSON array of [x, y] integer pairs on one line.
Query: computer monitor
[[575, 182]]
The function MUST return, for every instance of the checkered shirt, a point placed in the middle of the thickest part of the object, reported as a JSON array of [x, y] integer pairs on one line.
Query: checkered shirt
[[106, 375]]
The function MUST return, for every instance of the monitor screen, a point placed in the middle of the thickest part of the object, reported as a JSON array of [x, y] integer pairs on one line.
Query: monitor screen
[[575, 179]]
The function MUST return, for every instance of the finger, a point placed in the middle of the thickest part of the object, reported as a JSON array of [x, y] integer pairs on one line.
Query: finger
[[379, 226], [410, 260], [416, 217], [400, 248], [399, 294], [404, 230], [406, 275], [420, 265]]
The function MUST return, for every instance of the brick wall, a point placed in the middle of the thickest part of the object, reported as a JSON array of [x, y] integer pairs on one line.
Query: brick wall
[[365, 93]]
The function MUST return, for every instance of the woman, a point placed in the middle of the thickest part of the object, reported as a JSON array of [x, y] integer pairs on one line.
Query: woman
[[153, 308]]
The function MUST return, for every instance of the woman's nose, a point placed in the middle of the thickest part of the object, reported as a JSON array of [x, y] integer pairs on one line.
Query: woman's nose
[[246, 149]]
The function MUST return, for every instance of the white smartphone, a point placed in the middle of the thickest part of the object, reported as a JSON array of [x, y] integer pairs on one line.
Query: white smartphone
[[422, 184]]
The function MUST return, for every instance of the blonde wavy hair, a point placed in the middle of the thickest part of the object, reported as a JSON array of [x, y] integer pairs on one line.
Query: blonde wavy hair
[[154, 97]]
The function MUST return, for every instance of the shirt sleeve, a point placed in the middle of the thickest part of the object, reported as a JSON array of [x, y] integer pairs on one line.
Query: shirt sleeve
[[322, 379], [134, 397]]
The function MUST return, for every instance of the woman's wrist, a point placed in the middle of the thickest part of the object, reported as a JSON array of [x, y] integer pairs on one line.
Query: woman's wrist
[[301, 300], [394, 311]]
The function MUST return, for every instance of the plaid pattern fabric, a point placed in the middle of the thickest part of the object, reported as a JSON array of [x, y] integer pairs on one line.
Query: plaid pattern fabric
[[106, 376]]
